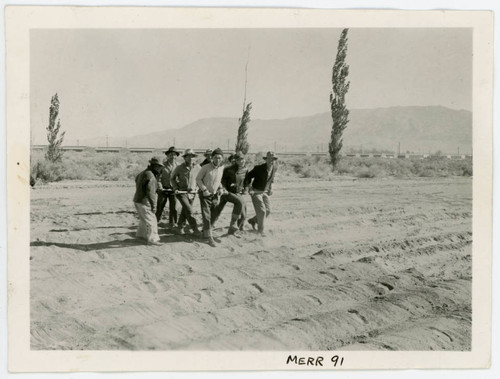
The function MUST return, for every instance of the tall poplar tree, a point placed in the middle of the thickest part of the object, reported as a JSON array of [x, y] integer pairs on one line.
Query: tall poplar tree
[[242, 140], [54, 152], [340, 86]]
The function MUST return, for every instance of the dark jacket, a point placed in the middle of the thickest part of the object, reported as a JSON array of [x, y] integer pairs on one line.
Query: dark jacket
[[146, 186], [206, 161], [234, 179], [184, 177], [166, 173], [262, 180]]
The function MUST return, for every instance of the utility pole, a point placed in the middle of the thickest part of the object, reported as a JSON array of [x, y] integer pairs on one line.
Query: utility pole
[[246, 76]]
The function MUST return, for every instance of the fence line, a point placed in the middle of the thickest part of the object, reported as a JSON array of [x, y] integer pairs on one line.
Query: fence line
[[283, 154]]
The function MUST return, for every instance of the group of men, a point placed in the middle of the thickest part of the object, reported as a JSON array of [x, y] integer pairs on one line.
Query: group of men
[[215, 184]]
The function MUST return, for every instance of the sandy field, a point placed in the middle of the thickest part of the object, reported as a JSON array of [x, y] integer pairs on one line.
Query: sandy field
[[348, 264]]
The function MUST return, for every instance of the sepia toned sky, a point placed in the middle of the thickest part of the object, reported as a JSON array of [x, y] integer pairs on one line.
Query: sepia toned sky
[[129, 82]]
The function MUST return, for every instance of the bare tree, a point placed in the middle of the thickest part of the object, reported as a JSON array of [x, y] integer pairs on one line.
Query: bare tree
[[340, 87], [54, 152]]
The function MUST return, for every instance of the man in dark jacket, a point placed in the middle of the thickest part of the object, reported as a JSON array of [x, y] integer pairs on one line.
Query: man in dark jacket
[[234, 180], [166, 192], [208, 157], [261, 178], [145, 197]]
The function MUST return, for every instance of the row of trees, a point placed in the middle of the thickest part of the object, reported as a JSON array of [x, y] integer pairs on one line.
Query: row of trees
[[339, 111]]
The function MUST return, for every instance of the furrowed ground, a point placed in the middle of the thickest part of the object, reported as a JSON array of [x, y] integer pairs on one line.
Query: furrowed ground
[[358, 264]]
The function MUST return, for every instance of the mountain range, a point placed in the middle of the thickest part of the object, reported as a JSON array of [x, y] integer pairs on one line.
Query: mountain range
[[419, 129]]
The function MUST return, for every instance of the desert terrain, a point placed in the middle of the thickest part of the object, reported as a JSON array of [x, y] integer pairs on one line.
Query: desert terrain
[[348, 264]]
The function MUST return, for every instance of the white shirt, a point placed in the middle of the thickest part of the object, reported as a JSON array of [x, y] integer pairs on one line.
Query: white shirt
[[209, 178]]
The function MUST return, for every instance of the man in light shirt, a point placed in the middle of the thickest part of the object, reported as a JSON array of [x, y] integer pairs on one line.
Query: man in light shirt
[[210, 189]]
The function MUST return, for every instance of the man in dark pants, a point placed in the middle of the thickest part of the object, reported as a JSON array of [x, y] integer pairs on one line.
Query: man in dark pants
[[166, 192], [262, 177], [209, 182], [183, 181], [234, 180]]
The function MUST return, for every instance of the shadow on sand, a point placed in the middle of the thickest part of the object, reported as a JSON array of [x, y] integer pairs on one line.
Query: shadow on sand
[[104, 213], [95, 227], [92, 246], [116, 244]]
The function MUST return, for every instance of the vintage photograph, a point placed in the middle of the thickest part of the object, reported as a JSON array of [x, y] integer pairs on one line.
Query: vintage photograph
[[251, 189]]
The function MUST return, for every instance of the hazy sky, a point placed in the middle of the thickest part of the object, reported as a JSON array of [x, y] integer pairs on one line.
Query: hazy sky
[[129, 82]]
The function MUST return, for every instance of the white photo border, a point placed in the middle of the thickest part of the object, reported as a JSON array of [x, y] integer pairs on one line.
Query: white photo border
[[19, 21]]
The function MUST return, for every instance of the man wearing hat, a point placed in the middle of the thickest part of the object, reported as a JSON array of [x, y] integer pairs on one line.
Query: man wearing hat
[[210, 188], [261, 178], [183, 181], [145, 198], [208, 157], [234, 180], [231, 160], [166, 192]]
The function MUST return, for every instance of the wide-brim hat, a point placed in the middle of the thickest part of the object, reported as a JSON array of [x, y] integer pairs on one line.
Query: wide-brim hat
[[189, 152], [208, 152], [172, 149], [217, 151], [155, 161], [270, 154]]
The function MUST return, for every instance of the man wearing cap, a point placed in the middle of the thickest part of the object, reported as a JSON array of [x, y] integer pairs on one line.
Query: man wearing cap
[[208, 157], [166, 192], [183, 181], [145, 198], [234, 180], [261, 178], [210, 189]]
